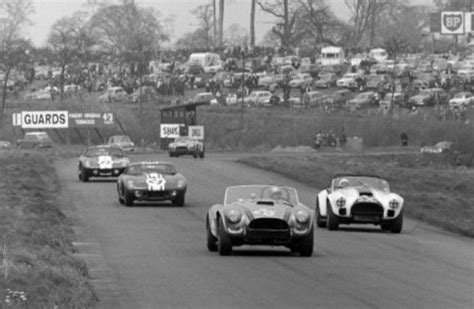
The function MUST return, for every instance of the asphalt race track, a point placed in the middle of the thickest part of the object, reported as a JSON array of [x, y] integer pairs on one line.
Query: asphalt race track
[[155, 256]]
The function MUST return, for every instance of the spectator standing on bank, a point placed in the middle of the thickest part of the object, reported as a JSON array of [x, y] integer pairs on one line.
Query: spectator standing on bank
[[404, 138]]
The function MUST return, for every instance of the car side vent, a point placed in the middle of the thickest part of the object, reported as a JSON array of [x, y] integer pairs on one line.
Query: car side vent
[[268, 203]]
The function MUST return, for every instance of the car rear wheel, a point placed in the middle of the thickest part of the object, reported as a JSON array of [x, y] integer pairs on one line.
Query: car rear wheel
[[179, 200], [320, 221], [397, 224], [201, 154], [307, 244], [172, 155], [333, 220], [211, 240], [224, 243], [128, 198]]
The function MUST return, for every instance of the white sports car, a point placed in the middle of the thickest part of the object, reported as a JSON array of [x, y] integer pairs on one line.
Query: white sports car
[[359, 199]]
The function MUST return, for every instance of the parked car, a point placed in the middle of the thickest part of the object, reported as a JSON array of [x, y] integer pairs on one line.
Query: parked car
[[143, 94], [359, 198], [464, 98], [114, 94], [429, 97], [326, 80], [102, 161], [203, 97], [47, 93], [151, 181], [260, 215], [364, 100], [122, 141], [185, 145], [315, 99], [350, 80], [301, 80], [258, 98], [391, 99], [338, 98], [35, 140]]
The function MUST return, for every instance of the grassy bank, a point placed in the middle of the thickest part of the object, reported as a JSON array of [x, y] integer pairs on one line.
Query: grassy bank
[[435, 194], [263, 128], [38, 267]]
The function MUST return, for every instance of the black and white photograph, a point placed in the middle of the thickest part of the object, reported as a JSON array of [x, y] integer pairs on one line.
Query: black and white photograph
[[219, 154]]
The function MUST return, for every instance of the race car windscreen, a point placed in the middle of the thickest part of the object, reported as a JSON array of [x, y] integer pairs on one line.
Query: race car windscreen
[[361, 181], [104, 151], [139, 169], [259, 192]]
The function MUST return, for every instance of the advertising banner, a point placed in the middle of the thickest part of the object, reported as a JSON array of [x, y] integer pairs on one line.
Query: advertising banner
[[44, 119], [169, 130], [196, 131]]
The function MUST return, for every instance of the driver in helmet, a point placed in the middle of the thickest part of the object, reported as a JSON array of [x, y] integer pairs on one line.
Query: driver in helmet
[[343, 183], [276, 193]]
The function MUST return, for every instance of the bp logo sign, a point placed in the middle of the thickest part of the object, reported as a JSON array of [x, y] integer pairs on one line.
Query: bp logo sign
[[452, 23]]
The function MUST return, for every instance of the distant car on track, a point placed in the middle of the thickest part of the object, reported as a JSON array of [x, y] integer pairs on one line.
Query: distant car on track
[[359, 199], [102, 161], [122, 141], [35, 140], [151, 181], [185, 145], [260, 215]]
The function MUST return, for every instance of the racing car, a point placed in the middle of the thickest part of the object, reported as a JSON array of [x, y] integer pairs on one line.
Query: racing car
[[151, 181], [359, 199], [186, 146], [102, 161], [260, 215]]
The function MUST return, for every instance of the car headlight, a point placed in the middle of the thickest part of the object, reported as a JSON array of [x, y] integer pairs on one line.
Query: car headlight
[[131, 184], [341, 202], [87, 163], [181, 184], [234, 216], [393, 204], [302, 216]]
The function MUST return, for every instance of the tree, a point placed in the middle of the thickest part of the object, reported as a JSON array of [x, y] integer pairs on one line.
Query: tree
[[252, 23], [365, 18], [130, 33], [204, 15], [13, 49], [236, 35], [221, 22], [70, 39], [288, 28], [323, 27]]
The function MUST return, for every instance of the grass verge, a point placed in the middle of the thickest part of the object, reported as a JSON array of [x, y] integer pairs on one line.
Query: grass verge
[[433, 193], [38, 269]]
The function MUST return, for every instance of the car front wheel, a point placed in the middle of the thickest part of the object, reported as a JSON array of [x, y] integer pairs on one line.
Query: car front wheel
[[224, 243], [128, 198], [397, 224], [83, 175], [333, 220], [307, 244], [320, 222], [211, 240], [179, 200]]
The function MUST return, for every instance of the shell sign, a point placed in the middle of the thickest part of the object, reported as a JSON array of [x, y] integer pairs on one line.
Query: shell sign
[[452, 22]]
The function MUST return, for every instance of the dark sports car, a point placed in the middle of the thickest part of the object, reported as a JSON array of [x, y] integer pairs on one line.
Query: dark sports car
[[260, 215], [102, 161], [151, 181]]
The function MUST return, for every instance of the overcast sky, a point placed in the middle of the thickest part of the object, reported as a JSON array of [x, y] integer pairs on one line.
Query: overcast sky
[[236, 11]]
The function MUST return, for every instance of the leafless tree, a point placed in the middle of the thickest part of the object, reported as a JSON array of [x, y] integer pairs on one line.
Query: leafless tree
[[13, 49], [252, 23], [204, 15], [221, 22], [287, 13]]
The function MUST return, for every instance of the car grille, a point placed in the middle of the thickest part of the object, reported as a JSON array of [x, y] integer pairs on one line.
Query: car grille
[[181, 148], [156, 193], [367, 209], [268, 224]]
